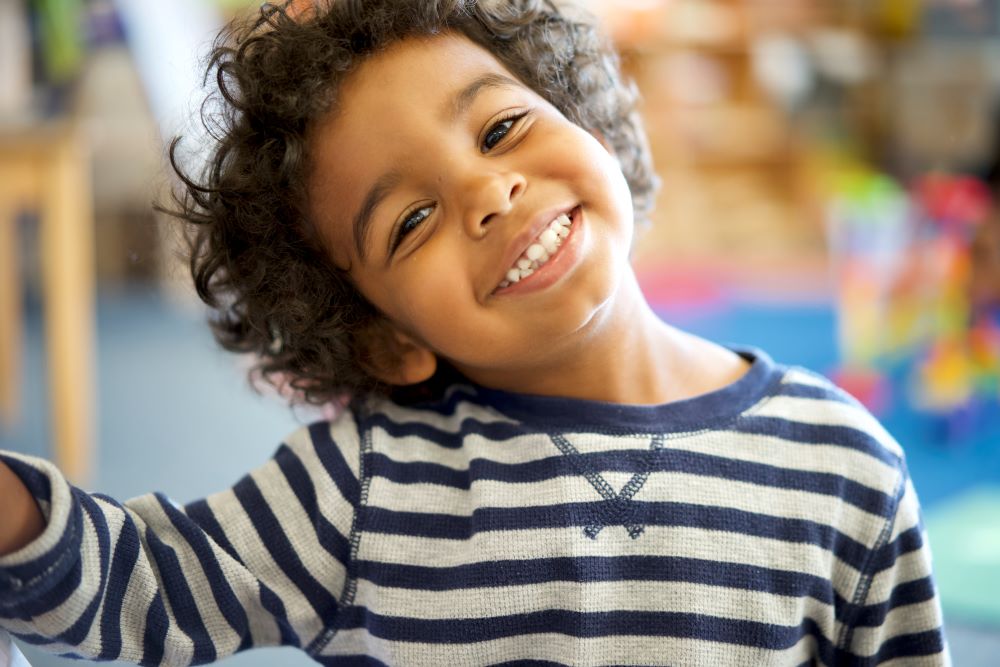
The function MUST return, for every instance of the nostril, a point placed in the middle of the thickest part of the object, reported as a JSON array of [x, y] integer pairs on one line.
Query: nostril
[[487, 220], [516, 190]]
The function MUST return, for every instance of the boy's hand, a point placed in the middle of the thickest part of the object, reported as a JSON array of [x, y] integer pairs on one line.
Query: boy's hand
[[20, 519]]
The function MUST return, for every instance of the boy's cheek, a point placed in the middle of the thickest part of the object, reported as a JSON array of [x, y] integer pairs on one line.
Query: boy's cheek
[[451, 326]]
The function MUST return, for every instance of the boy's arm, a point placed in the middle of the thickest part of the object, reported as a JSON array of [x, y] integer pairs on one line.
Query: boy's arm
[[148, 581], [899, 615], [21, 520]]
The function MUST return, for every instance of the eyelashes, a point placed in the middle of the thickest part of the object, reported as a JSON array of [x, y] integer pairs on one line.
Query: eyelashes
[[410, 222], [493, 137], [499, 130]]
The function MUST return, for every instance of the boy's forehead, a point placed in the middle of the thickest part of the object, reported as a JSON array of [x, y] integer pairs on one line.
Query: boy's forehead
[[414, 83], [435, 68]]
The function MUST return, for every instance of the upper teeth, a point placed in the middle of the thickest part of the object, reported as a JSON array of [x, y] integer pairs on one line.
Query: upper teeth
[[540, 251]]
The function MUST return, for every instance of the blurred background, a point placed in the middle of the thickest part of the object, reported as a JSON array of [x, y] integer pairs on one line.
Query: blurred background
[[831, 174]]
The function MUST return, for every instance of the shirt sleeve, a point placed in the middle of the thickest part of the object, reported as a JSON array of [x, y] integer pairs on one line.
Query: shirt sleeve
[[897, 615], [148, 581]]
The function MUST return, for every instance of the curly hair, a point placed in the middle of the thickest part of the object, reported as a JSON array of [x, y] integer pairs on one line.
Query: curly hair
[[255, 257]]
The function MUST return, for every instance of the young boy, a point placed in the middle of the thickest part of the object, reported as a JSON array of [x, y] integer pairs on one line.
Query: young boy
[[428, 206]]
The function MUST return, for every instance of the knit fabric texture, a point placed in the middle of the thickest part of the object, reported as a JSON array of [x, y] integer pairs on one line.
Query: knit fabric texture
[[771, 522]]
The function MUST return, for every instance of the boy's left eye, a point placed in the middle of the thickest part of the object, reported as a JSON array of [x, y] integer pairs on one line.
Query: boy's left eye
[[410, 222], [499, 131]]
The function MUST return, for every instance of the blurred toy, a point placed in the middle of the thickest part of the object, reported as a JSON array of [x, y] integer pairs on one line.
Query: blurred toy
[[918, 286], [958, 366], [869, 228], [984, 291]]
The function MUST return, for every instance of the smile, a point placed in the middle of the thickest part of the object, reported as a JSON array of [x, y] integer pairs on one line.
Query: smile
[[541, 250]]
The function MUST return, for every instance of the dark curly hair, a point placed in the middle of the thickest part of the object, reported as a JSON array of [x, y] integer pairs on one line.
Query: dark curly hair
[[256, 258]]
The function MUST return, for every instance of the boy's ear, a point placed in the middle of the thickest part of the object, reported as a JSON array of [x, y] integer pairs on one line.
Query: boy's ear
[[397, 358]]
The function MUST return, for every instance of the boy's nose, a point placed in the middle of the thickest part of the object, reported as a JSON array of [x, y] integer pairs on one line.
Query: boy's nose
[[491, 195]]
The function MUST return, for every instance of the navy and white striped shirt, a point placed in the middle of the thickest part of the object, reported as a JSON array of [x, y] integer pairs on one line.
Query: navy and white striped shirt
[[771, 522]]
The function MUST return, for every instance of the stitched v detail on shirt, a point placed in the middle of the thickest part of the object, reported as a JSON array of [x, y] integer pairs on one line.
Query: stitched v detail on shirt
[[618, 509]]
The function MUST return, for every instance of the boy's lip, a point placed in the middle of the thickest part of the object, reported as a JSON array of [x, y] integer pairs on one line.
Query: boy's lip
[[527, 236]]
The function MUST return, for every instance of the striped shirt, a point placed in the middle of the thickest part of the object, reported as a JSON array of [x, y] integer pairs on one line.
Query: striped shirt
[[771, 522]]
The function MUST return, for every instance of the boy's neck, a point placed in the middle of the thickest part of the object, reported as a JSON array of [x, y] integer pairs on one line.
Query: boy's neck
[[629, 355]]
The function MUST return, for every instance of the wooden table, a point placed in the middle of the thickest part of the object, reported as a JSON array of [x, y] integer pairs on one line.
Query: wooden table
[[46, 168]]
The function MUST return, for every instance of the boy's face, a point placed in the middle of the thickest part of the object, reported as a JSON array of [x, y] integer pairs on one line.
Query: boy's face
[[433, 178]]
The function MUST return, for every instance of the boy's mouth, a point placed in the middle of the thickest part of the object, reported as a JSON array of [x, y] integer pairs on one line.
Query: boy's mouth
[[540, 251]]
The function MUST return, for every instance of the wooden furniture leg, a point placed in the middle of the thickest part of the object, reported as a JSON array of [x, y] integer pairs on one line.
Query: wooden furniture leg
[[67, 251], [10, 306]]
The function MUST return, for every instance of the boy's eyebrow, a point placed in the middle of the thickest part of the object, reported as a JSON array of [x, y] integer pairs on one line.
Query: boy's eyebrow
[[467, 95], [363, 219]]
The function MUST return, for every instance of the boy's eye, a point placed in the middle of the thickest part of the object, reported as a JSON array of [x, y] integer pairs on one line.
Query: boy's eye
[[498, 132], [410, 222]]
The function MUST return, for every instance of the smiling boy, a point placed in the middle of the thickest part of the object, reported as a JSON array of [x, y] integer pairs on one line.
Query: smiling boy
[[442, 195], [430, 197]]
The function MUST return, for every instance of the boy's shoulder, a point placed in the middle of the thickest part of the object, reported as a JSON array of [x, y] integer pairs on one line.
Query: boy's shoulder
[[808, 408], [806, 395], [460, 410]]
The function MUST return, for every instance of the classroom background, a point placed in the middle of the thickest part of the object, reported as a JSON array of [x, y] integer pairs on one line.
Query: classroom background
[[831, 179]]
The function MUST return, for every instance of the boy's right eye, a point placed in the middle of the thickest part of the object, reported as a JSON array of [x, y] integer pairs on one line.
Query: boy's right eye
[[409, 223]]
